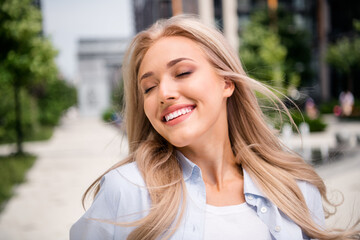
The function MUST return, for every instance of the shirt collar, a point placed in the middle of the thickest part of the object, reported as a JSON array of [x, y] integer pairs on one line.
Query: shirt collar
[[186, 165], [250, 186], [188, 170]]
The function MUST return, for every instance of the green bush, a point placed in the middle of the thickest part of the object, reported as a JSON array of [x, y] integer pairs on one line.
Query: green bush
[[42, 107], [118, 96], [7, 115], [107, 115], [328, 107], [13, 170], [113, 114], [316, 125], [56, 97]]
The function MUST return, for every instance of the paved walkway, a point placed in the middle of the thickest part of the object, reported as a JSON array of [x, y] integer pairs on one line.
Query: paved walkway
[[81, 149], [49, 202]]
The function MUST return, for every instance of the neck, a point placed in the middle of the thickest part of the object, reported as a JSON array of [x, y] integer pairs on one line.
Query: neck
[[215, 159]]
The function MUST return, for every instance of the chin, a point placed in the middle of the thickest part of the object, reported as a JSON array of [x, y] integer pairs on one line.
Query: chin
[[178, 143]]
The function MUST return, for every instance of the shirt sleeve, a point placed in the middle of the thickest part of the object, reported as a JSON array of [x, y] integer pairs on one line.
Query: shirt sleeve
[[314, 202], [97, 222]]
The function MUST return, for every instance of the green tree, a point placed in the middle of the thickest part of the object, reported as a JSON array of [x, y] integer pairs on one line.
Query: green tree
[[7, 115], [276, 52], [344, 55], [263, 55], [53, 98], [25, 55]]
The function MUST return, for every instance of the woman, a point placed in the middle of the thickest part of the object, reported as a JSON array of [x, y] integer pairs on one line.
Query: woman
[[203, 163]]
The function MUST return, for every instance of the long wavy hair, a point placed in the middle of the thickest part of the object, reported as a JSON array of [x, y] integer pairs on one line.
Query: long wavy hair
[[256, 148]]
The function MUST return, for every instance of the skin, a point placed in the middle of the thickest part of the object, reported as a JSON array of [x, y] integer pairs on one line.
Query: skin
[[175, 74]]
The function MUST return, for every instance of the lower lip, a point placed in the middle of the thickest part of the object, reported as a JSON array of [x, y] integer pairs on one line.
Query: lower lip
[[179, 119]]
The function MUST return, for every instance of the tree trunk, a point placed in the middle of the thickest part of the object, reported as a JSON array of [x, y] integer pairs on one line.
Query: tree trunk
[[18, 123]]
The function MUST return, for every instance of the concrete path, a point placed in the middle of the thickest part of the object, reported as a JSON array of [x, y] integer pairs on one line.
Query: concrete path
[[341, 175], [49, 202], [342, 179]]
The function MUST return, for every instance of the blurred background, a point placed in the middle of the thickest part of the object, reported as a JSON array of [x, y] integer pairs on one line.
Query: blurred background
[[61, 94]]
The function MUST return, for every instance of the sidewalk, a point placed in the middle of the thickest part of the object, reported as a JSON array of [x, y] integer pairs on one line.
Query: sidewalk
[[327, 138], [344, 176], [340, 174], [49, 202]]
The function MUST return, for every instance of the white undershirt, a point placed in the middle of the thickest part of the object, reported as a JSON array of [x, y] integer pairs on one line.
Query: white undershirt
[[234, 222]]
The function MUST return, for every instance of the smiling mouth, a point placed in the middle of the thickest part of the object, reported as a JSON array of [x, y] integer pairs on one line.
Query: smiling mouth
[[175, 114]]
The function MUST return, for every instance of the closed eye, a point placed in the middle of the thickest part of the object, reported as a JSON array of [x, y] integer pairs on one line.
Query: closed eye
[[183, 74], [148, 90]]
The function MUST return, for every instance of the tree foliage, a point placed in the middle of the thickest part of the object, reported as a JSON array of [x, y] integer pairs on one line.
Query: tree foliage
[[26, 61], [344, 54], [53, 98], [25, 54], [277, 53], [7, 115], [263, 55]]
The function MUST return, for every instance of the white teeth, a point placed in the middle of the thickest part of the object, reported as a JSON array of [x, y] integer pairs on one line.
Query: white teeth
[[177, 113]]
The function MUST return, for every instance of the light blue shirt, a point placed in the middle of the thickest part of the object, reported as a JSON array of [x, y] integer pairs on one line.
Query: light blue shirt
[[123, 197]]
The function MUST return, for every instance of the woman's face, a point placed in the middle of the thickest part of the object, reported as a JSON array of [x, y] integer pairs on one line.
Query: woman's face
[[184, 99]]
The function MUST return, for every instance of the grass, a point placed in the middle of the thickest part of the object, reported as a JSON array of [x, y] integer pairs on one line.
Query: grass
[[13, 170], [41, 133]]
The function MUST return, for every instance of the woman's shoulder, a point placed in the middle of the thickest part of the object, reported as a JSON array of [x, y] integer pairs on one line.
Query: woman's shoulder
[[122, 190], [313, 201], [124, 177], [122, 197], [309, 190]]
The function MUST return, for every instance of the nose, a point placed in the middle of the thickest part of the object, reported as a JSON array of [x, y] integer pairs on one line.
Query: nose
[[168, 90]]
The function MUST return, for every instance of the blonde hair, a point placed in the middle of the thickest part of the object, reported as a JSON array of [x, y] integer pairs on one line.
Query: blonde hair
[[256, 148]]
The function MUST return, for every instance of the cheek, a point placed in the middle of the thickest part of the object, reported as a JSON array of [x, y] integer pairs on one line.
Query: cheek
[[150, 110], [208, 88]]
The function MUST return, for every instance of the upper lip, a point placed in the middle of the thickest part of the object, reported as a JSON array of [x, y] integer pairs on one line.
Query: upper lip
[[174, 108]]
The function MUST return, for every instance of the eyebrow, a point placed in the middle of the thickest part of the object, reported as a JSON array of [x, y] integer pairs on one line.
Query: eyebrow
[[148, 74], [175, 61], [168, 65]]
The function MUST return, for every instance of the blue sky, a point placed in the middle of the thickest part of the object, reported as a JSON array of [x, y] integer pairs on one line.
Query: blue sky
[[65, 21]]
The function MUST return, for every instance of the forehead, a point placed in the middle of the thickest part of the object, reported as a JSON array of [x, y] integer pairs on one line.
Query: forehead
[[169, 48]]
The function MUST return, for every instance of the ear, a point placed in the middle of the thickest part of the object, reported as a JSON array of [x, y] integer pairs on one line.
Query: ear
[[229, 87]]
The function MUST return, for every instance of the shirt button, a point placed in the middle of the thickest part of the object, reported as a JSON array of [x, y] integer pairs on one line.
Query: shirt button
[[263, 210], [250, 197], [277, 229]]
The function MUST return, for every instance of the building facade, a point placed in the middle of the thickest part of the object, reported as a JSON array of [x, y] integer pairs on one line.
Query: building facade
[[326, 21], [99, 63]]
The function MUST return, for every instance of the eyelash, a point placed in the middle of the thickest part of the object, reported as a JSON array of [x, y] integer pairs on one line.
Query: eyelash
[[148, 90], [179, 75], [183, 74]]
